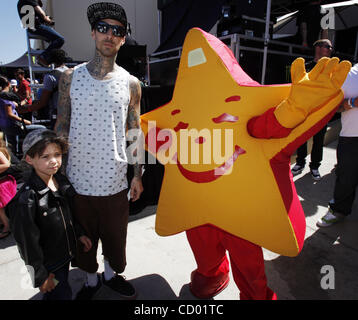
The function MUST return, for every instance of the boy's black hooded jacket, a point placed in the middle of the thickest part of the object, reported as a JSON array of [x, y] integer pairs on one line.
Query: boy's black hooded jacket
[[42, 225]]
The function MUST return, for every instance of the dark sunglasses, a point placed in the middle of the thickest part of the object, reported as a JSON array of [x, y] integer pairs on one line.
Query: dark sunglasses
[[322, 45], [103, 27]]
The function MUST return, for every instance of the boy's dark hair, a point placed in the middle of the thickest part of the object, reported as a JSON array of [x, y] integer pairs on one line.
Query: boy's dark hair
[[48, 138]]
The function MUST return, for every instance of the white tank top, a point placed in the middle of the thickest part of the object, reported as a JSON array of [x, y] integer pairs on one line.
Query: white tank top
[[97, 160]]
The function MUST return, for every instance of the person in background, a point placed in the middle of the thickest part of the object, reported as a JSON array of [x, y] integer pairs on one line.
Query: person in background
[[24, 90], [11, 94], [11, 123], [13, 84], [347, 156], [7, 187], [309, 24], [43, 27], [47, 104], [323, 48]]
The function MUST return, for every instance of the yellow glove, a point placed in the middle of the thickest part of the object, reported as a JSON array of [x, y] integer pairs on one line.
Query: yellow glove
[[310, 91]]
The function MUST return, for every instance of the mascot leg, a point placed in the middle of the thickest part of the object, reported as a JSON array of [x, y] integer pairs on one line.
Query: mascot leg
[[209, 245], [248, 268], [212, 274]]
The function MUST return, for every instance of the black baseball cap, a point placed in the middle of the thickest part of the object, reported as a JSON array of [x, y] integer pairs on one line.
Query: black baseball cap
[[106, 10]]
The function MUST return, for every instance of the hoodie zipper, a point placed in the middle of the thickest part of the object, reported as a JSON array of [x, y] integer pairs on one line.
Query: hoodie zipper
[[64, 223]]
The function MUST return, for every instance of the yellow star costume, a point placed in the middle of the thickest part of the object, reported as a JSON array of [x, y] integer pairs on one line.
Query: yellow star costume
[[236, 182]]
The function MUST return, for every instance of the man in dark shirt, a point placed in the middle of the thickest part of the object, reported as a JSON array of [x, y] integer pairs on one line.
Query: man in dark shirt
[[323, 48], [42, 28]]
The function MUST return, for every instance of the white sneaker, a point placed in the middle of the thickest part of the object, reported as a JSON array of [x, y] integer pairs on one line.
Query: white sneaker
[[297, 169], [315, 174], [329, 219]]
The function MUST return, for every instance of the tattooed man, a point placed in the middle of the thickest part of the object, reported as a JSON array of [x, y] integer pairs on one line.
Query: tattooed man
[[98, 102]]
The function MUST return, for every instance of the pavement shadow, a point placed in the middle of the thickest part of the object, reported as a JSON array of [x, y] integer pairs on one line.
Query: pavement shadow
[[335, 246], [147, 211], [153, 287], [7, 242], [185, 294], [315, 193], [149, 287], [37, 296]]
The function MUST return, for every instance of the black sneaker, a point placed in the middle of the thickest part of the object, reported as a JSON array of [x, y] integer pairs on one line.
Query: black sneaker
[[297, 169], [121, 286], [87, 292], [315, 174]]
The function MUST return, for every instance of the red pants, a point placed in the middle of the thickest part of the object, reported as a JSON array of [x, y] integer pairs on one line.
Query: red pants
[[209, 245]]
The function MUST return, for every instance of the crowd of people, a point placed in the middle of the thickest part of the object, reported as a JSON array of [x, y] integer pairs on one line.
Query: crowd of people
[[69, 194]]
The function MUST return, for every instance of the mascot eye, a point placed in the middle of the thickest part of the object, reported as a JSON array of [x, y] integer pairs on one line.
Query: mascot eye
[[233, 98]]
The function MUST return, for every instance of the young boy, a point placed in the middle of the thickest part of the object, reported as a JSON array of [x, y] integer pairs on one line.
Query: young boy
[[40, 216]]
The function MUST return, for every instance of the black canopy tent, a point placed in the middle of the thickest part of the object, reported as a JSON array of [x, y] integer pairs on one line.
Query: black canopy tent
[[178, 16], [23, 63]]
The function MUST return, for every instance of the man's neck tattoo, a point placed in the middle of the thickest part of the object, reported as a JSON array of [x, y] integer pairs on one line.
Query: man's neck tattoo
[[99, 67]]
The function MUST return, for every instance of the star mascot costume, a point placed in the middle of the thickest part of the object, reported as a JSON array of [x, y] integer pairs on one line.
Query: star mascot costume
[[226, 142]]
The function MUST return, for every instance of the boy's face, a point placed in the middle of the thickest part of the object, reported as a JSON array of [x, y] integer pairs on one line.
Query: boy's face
[[48, 163]]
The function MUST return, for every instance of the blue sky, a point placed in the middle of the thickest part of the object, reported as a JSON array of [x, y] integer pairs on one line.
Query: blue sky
[[12, 35]]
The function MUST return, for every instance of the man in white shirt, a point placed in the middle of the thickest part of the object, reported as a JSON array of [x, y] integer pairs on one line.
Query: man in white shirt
[[98, 102], [347, 155]]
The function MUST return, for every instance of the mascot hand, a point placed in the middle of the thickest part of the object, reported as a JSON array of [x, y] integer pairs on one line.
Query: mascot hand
[[310, 91]]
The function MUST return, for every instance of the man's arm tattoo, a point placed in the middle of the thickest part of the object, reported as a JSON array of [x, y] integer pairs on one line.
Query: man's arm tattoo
[[62, 126], [133, 118]]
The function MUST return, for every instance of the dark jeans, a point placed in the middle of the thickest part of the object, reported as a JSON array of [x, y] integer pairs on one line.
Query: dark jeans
[[104, 218], [317, 150], [346, 175], [55, 39], [63, 290]]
